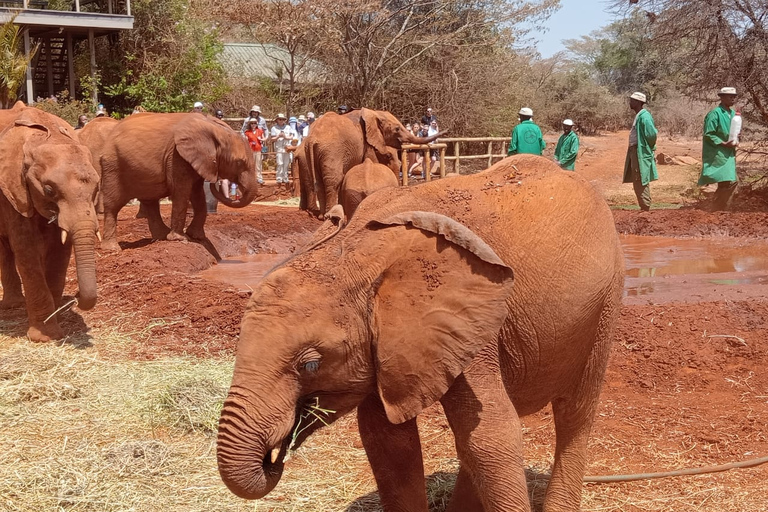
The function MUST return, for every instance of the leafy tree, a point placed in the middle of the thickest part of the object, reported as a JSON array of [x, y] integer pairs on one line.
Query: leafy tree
[[13, 63], [166, 63]]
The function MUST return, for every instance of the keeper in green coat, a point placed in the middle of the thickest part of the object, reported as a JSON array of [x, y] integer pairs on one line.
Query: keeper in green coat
[[526, 136], [567, 147], [718, 153], [640, 164]]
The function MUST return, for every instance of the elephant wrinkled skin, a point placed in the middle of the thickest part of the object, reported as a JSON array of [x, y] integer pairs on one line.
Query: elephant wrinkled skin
[[95, 135], [48, 187], [151, 156], [495, 293], [336, 143]]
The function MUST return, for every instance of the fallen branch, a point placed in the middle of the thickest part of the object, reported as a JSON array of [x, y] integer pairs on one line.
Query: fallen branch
[[729, 336], [604, 479]]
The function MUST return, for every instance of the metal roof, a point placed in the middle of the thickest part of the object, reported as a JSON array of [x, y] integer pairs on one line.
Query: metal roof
[[251, 60]]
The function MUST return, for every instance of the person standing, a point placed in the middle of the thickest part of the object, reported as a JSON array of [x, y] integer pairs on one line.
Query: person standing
[[567, 147], [718, 153], [255, 137], [254, 113], [429, 117], [82, 120], [219, 114], [640, 164], [282, 135], [526, 136]]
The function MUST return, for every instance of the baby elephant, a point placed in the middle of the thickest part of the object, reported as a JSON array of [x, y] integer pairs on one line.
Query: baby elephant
[[363, 180]]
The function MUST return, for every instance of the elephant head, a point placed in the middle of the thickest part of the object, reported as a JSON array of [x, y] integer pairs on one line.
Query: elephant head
[[216, 152], [386, 135], [397, 306], [45, 171]]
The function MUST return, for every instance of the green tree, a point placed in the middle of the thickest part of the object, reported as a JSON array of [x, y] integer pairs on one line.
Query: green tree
[[167, 62], [13, 63]]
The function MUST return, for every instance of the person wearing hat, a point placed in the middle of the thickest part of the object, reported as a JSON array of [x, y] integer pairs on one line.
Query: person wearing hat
[[254, 113], [718, 152], [343, 109], [101, 111], [567, 147], [429, 117], [640, 164], [526, 136], [219, 114], [256, 139], [282, 135], [198, 107]]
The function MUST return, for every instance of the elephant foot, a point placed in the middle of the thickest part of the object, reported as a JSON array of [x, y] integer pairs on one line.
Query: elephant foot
[[12, 302], [45, 332], [196, 234], [110, 246], [176, 237], [159, 234]]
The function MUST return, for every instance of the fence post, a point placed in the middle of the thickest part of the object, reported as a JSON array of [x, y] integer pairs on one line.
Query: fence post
[[490, 153], [442, 162], [404, 166], [427, 161], [456, 154]]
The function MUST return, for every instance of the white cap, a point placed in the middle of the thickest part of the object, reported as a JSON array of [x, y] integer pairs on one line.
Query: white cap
[[311, 114], [727, 90], [198, 104], [100, 112], [638, 96], [568, 122], [255, 108], [525, 111], [280, 116]]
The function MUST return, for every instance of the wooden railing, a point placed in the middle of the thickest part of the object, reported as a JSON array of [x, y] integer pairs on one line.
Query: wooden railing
[[456, 158]]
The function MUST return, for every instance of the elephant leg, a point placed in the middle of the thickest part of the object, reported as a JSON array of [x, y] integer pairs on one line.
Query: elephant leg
[[488, 438], [28, 246], [9, 278], [320, 192], [574, 416], [56, 263], [109, 240], [332, 188], [200, 212], [394, 452], [179, 203], [151, 211]]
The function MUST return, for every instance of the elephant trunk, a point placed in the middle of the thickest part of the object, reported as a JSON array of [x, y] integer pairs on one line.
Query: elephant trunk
[[247, 186], [425, 140], [85, 259], [244, 464]]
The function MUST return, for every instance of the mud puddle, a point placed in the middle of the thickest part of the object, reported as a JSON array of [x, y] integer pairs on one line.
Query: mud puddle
[[661, 269], [243, 272]]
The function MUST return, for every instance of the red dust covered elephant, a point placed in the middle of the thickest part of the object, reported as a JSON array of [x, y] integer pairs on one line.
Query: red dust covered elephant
[[495, 293]]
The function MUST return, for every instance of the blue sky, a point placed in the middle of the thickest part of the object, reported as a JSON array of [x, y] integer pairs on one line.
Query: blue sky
[[575, 18]]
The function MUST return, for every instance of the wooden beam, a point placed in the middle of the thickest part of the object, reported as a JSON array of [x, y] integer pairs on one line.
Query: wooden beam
[[71, 67], [30, 82], [94, 86], [49, 67]]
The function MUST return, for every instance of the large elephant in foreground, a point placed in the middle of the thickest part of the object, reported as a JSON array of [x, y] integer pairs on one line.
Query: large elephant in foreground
[[151, 156], [95, 135], [390, 315], [48, 186], [336, 143]]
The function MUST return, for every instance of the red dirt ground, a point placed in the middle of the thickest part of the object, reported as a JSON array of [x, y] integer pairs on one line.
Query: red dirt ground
[[684, 378]]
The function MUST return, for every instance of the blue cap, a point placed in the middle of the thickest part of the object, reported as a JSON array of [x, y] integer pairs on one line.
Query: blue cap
[[292, 120]]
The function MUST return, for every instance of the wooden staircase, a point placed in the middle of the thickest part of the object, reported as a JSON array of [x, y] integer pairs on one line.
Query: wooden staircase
[[54, 49]]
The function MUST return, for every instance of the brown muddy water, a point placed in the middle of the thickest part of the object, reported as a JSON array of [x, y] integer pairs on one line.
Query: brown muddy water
[[659, 269]]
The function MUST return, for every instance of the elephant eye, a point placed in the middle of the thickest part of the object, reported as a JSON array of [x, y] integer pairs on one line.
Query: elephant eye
[[48, 190], [311, 366]]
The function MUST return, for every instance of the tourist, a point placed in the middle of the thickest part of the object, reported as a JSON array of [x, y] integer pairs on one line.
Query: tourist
[[640, 164], [567, 147], [82, 120], [219, 114], [429, 117], [433, 154], [282, 135], [526, 136], [198, 107], [256, 138], [718, 153], [343, 109], [255, 113]]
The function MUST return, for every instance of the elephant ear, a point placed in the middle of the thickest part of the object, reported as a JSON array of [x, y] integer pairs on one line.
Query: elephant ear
[[373, 135], [16, 146], [435, 307], [195, 140]]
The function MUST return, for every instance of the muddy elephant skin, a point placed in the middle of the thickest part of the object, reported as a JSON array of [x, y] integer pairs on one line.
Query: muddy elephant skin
[[48, 185], [95, 135], [507, 282], [151, 156], [336, 143], [363, 180]]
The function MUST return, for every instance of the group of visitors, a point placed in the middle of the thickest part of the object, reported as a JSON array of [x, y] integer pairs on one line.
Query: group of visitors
[[425, 127], [721, 131]]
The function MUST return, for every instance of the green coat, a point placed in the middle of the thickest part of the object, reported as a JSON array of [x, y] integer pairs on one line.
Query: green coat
[[526, 138], [646, 145], [719, 161], [566, 150]]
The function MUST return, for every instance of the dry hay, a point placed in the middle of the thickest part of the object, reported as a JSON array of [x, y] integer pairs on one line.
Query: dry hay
[[139, 436]]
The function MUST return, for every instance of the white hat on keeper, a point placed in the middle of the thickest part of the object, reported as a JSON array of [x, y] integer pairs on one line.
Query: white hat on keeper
[[255, 108], [568, 122], [638, 96], [727, 90], [525, 111], [198, 104]]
